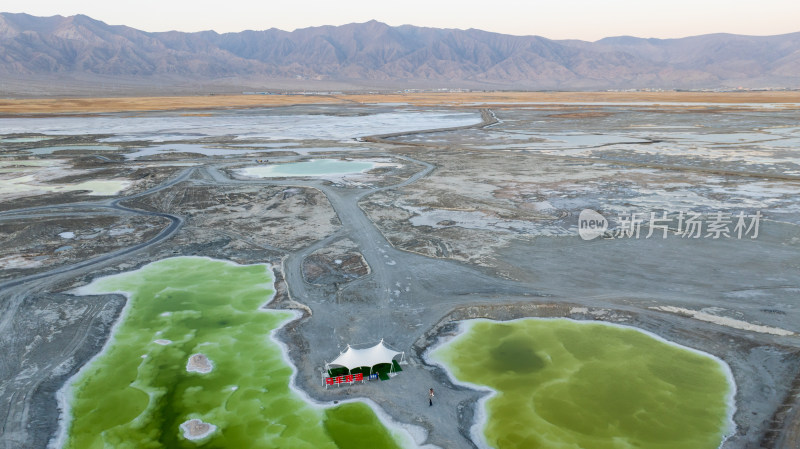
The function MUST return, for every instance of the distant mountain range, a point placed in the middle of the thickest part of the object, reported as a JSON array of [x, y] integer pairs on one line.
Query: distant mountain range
[[59, 52]]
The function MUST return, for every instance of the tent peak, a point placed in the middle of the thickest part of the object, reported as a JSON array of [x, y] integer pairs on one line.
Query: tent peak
[[376, 354]]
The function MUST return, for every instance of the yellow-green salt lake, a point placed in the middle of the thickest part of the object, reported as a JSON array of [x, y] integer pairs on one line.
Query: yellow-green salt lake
[[564, 384]]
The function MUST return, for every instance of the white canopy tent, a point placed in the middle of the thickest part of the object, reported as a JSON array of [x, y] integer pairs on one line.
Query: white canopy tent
[[353, 358]]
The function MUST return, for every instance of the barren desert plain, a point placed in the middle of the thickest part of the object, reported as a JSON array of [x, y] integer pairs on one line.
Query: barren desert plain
[[177, 271]]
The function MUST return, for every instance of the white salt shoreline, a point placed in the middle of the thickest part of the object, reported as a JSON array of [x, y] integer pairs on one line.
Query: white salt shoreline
[[724, 321]]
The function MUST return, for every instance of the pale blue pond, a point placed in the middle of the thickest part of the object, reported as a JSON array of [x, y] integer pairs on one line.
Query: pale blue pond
[[185, 148], [24, 139], [267, 145], [317, 167], [239, 151], [583, 140], [51, 150]]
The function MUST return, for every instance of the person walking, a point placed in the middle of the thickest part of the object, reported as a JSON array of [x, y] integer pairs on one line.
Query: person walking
[[430, 398]]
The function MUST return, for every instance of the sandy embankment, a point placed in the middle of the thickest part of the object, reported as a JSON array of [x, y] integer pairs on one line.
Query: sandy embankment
[[120, 104]]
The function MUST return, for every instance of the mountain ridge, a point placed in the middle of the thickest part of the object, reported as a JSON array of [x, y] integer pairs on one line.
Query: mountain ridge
[[375, 54]]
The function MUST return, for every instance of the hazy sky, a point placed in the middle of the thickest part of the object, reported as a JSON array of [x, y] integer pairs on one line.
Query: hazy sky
[[555, 19]]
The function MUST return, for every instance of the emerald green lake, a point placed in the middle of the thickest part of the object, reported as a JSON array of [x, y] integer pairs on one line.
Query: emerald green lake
[[562, 384], [138, 391]]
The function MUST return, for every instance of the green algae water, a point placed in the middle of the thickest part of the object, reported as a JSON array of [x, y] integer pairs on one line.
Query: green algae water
[[564, 384], [138, 391]]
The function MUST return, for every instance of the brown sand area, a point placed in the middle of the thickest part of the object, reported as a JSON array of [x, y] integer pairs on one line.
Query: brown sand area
[[132, 104]]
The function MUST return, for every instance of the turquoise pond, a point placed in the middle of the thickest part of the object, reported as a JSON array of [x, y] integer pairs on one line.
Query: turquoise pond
[[316, 167], [54, 149]]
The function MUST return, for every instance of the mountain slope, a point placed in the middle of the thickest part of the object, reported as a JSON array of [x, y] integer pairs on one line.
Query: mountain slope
[[370, 53]]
